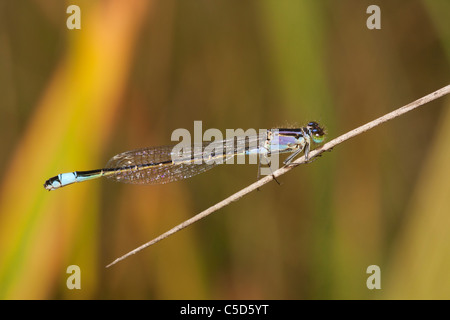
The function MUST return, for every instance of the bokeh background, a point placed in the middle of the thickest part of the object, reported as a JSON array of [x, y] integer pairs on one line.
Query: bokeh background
[[137, 70]]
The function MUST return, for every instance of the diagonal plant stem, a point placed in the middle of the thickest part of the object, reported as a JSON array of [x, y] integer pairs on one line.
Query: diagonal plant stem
[[326, 147]]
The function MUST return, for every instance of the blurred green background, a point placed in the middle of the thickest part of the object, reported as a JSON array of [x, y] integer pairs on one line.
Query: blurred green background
[[137, 70]]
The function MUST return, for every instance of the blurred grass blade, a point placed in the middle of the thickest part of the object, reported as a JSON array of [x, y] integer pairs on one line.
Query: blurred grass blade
[[39, 232]]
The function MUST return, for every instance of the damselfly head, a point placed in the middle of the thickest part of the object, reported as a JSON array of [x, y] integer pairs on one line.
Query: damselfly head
[[316, 131]]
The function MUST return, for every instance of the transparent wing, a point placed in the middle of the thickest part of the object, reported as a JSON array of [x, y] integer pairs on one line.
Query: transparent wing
[[159, 165]]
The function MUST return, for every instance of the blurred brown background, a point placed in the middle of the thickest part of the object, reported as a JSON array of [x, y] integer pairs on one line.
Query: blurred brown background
[[137, 70]]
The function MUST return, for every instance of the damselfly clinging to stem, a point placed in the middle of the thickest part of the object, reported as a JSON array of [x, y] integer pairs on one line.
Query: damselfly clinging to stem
[[158, 165]]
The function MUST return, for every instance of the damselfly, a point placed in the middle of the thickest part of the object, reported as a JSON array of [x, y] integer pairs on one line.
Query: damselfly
[[158, 165]]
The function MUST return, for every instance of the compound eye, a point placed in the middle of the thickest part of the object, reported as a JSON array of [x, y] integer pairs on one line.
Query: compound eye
[[313, 124], [317, 135]]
